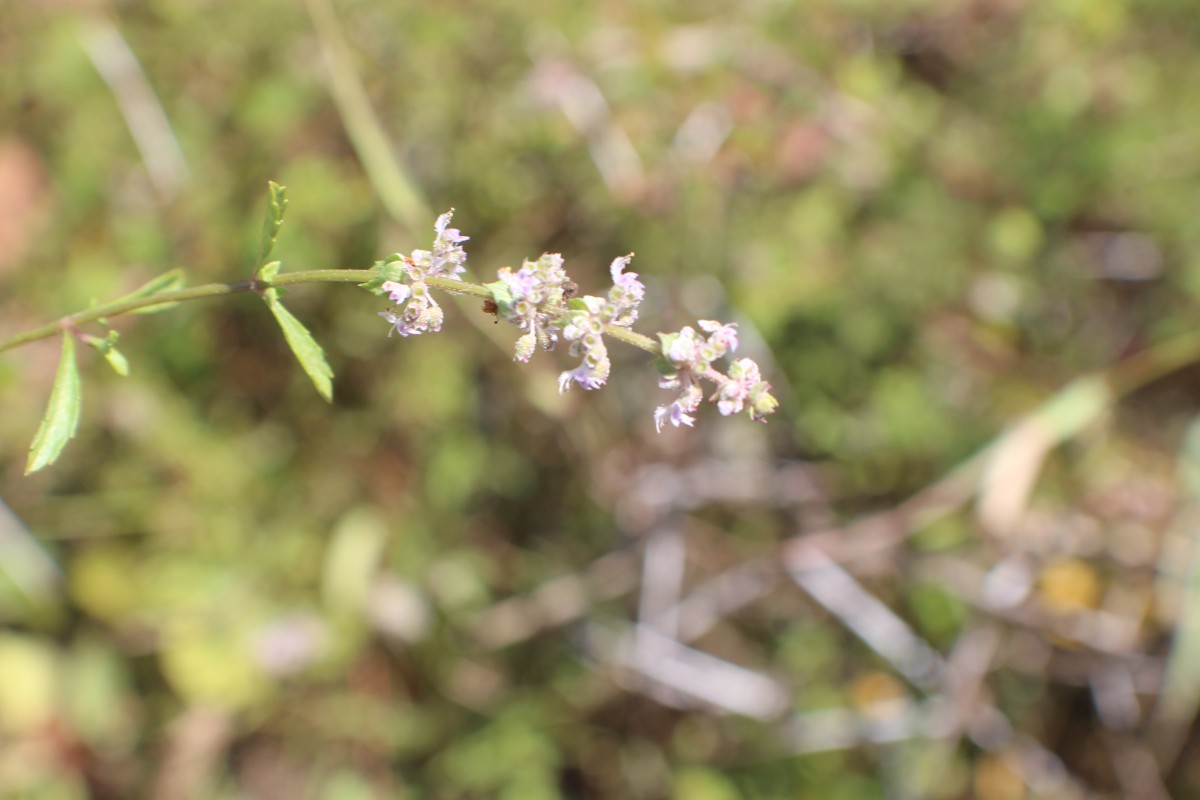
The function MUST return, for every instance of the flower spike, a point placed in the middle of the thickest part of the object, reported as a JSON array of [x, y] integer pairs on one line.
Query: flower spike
[[419, 312], [687, 359], [539, 298]]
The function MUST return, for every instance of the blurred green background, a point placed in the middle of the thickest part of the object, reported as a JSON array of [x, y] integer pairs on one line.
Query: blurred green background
[[927, 217]]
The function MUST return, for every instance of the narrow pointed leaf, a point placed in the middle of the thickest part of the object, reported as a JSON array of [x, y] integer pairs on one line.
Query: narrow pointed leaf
[[108, 348], [304, 346], [167, 282], [276, 206], [62, 413], [117, 360], [267, 272]]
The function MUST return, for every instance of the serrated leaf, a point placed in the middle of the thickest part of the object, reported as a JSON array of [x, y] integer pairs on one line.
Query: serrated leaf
[[304, 346], [62, 412], [167, 282], [276, 206]]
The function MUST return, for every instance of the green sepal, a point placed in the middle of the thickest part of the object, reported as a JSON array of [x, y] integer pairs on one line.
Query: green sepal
[[662, 363], [391, 268], [577, 304], [62, 412], [276, 206], [108, 348], [267, 272], [167, 282], [303, 345], [501, 296]]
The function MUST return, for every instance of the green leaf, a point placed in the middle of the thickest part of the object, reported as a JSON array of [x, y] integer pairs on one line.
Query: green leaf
[[304, 346], [501, 295], [116, 359], [267, 272], [167, 282], [276, 206], [391, 268], [108, 347], [62, 413]]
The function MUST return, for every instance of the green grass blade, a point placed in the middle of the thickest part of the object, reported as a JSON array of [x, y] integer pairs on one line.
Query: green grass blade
[[62, 413], [393, 182]]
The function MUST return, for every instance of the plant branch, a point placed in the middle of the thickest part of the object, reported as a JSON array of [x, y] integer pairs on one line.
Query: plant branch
[[119, 307]]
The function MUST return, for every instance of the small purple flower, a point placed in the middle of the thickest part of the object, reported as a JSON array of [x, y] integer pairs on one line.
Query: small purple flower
[[591, 373], [531, 288], [584, 327], [540, 300], [449, 235], [689, 358], [419, 312], [626, 293], [679, 412], [682, 350], [397, 292], [722, 337], [744, 375], [447, 258]]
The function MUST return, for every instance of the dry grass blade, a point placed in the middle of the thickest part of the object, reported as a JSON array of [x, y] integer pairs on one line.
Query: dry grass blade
[[143, 112]]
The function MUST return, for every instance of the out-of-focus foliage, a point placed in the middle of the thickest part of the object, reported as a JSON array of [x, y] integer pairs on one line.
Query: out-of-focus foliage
[[927, 217]]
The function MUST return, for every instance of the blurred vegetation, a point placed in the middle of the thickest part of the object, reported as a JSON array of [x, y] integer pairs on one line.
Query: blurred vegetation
[[927, 217]]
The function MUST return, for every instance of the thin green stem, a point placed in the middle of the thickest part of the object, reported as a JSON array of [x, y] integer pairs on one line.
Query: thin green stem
[[357, 276], [119, 307], [321, 276], [633, 338], [123, 307]]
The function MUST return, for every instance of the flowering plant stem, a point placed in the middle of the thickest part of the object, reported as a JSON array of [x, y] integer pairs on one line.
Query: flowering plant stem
[[535, 299], [355, 276]]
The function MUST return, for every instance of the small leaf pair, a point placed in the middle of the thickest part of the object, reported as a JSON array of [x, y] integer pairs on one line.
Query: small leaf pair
[[299, 339], [61, 420]]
